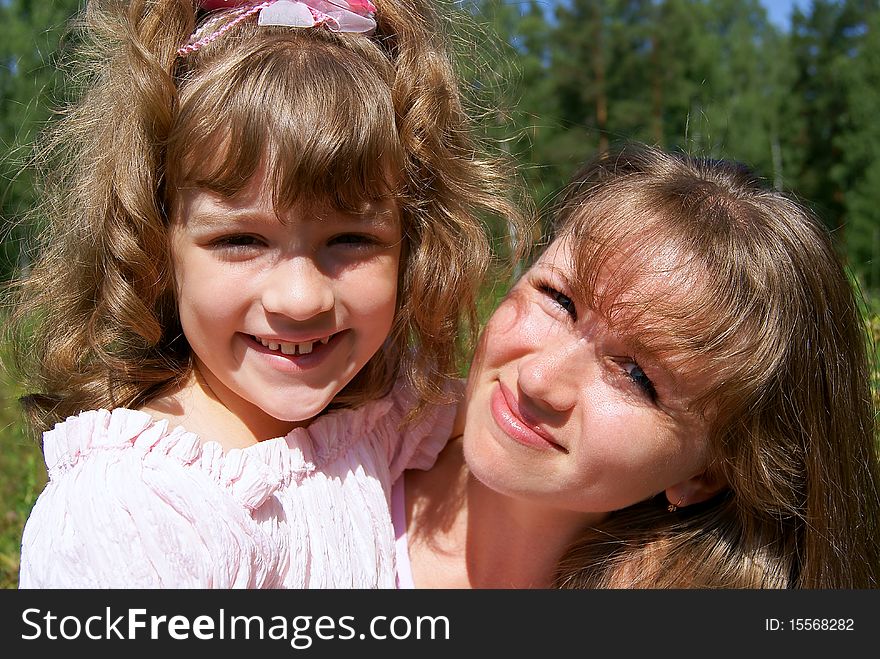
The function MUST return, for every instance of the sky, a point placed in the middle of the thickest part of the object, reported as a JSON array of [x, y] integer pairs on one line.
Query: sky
[[779, 11]]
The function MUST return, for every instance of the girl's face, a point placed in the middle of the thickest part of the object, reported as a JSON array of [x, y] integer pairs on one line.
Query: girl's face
[[565, 411], [282, 315]]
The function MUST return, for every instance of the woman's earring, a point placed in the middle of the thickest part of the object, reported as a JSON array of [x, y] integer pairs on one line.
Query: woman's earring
[[672, 507]]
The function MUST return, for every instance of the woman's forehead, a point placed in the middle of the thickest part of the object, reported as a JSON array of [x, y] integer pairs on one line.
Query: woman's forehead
[[655, 296], [649, 307], [625, 269]]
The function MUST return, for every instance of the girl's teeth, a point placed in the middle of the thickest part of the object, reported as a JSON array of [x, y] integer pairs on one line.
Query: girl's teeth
[[292, 348]]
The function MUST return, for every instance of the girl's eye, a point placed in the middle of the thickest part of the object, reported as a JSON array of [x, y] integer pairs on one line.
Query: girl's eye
[[560, 299], [355, 239], [637, 375], [237, 241]]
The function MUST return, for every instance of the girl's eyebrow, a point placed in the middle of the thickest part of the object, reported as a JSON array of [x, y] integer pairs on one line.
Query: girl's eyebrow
[[216, 212], [379, 216], [218, 215], [382, 212]]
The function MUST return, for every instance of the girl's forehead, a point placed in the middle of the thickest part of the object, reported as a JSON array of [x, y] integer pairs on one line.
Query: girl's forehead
[[267, 183], [255, 204]]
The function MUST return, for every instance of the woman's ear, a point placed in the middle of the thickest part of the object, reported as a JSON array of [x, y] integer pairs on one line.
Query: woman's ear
[[696, 489]]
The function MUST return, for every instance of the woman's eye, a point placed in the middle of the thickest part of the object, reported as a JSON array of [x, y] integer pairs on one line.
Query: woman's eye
[[637, 375], [560, 299]]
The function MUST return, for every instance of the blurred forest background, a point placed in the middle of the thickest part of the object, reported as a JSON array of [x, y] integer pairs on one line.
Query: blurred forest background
[[558, 81]]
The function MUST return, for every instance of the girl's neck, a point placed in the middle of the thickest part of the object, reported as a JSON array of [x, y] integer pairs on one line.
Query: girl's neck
[[463, 534], [196, 407]]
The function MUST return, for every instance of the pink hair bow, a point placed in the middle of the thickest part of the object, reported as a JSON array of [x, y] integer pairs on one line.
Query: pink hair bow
[[339, 15], [362, 7], [336, 15]]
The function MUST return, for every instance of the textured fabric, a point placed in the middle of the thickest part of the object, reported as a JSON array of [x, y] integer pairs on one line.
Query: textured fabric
[[132, 503], [401, 546]]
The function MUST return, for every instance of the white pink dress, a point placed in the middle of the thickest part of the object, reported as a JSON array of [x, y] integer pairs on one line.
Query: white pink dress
[[132, 503]]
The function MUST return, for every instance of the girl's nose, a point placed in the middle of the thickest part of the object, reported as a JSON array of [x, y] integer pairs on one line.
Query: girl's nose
[[298, 289]]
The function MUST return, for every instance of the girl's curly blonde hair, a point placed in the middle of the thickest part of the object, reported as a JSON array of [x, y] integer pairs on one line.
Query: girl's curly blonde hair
[[330, 115]]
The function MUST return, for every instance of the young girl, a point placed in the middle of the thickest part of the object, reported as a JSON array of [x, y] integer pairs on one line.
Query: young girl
[[676, 395], [262, 244]]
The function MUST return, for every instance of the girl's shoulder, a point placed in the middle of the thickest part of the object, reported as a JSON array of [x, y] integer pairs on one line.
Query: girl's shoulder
[[70, 442], [95, 440], [385, 427], [132, 503]]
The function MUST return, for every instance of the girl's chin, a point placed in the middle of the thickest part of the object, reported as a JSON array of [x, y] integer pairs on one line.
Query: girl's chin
[[302, 416]]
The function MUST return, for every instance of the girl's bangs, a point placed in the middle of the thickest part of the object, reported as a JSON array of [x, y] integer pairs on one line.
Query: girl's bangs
[[325, 135]]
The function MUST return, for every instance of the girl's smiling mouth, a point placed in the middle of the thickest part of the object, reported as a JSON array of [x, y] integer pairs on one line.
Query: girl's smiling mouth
[[290, 348], [310, 348]]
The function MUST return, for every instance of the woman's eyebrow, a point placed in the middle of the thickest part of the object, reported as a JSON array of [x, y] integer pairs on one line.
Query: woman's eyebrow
[[683, 381], [655, 356]]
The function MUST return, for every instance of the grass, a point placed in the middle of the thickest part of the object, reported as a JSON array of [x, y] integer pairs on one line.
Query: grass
[[22, 477]]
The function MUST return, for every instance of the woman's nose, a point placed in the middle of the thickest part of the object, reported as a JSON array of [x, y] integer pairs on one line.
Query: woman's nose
[[297, 288], [551, 375]]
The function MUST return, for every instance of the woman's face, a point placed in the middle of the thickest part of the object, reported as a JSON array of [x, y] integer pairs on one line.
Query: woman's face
[[565, 410]]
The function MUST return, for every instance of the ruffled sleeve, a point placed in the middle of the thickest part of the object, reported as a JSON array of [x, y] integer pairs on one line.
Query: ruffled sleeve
[[417, 445], [130, 504], [380, 424]]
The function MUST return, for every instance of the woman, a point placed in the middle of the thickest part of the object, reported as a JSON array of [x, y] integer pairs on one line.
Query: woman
[[675, 395]]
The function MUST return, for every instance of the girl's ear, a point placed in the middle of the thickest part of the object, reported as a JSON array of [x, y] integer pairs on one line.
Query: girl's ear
[[696, 489]]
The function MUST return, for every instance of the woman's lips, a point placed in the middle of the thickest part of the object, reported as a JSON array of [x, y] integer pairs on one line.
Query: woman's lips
[[506, 413]]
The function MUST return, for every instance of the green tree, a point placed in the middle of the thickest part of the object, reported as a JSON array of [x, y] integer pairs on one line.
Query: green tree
[[579, 67], [824, 42], [744, 107], [513, 51], [718, 70], [631, 47], [683, 64], [30, 83], [537, 112], [858, 143]]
